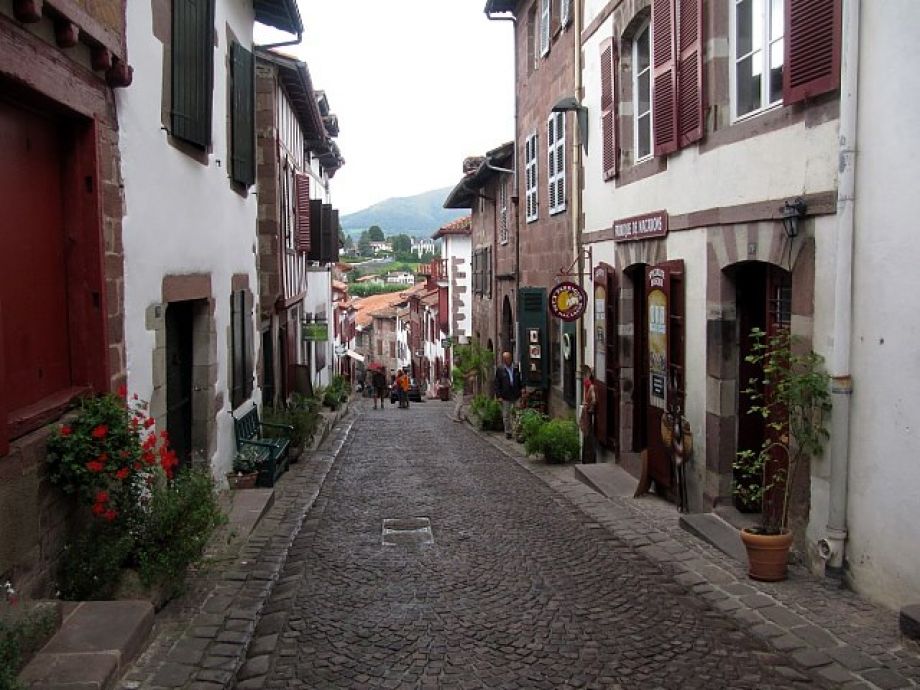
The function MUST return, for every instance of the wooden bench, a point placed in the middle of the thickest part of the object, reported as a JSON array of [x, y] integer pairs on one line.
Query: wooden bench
[[249, 431]]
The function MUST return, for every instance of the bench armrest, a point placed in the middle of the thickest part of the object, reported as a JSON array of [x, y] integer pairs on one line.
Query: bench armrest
[[272, 425]]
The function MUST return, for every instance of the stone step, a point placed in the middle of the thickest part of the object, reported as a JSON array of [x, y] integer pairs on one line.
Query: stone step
[[713, 529], [96, 642], [607, 479], [248, 507]]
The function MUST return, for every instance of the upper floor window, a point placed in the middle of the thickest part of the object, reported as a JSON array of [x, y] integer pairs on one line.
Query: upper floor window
[[503, 212], [546, 16], [531, 198], [757, 55], [642, 93], [192, 62], [555, 161]]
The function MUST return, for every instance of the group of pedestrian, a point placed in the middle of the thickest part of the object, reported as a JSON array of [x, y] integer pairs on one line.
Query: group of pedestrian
[[509, 386], [377, 382]]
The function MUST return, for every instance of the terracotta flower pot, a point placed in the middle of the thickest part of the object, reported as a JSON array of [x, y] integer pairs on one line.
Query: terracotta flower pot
[[242, 481], [768, 554]]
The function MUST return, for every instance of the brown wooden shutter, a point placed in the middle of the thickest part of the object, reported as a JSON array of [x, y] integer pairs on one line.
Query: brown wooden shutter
[[316, 228], [811, 60], [690, 72], [609, 108], [302, 192], [664, 91]]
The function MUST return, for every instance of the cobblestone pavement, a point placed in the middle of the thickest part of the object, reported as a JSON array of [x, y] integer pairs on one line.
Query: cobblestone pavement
[[519, 589]]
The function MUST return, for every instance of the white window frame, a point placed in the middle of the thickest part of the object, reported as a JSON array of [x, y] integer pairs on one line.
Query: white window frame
[[555, 162], [531, 170], [503, 211], [565, 12], [635, 86], [766, 45], [546, 15]]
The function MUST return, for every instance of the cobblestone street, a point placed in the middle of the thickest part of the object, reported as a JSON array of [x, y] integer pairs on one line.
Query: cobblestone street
[[519, 589]]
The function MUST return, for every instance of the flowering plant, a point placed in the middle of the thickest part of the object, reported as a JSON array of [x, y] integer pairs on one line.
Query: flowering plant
[[109, 454], [249, 459]]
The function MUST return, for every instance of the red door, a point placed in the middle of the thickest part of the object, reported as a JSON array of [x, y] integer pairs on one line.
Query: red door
[[33, 276], [664, 289]]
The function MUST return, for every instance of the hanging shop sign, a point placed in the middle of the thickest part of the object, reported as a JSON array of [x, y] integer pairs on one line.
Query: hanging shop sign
[[315, 332], [567, 301], [641, 227], [446, 343]]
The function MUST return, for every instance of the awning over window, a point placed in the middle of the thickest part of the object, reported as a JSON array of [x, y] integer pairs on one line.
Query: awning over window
[[354, 355]]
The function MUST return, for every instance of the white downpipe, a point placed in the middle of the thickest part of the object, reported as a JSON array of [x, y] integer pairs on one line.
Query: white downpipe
[[841, 380]]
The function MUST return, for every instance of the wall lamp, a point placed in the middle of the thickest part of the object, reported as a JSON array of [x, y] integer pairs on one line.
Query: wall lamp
[[570, 104], [791, 213]]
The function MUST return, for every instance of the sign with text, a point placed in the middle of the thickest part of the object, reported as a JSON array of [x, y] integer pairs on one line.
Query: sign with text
[[446, 343], [641, 227], [567, 301], [315, 332]]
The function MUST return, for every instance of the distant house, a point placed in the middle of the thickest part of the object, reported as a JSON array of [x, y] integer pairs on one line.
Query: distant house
[[381, 247], [423, 246], [400, 278], [370, 280]]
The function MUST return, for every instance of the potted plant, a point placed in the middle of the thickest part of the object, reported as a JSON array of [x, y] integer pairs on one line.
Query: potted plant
[[792, 395], [246, 466]]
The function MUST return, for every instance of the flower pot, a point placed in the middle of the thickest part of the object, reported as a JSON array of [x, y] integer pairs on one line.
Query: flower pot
[[242, 481], [768, 554]]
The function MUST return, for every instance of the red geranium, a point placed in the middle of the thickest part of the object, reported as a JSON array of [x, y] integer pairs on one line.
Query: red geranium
[[66, 430], [102, 497], [122, 474], [110, 515], [95, 466], [100, 431]]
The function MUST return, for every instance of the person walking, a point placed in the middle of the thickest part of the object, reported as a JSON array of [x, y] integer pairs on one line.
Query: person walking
[[508, 387], [402, 388], [379, 379], [586, 421]]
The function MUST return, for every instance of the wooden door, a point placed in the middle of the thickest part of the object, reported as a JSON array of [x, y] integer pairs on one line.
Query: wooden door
[[33, 272], [606, 357], [179, 355], [665, 352]]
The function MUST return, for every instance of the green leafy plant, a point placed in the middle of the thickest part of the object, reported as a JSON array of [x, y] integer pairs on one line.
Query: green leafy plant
[[531, 421], [22, 632], [91, 563], [248, 459], [488, 411], [557, 439], [471, 360], [793, 397]]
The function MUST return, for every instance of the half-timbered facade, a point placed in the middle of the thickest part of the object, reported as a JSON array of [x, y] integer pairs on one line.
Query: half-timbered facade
[[297, 228]]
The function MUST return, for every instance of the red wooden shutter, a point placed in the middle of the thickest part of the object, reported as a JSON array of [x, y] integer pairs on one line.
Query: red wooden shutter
[[609, 108], [302, 191], [811, 60], [690, 72], [4, 432], [664, 92]]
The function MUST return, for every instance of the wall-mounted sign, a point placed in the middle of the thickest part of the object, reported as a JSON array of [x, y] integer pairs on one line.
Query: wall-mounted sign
[[657, 342], [315, 332], [446, 343], [567, 301], [641, 227], [340, 350]]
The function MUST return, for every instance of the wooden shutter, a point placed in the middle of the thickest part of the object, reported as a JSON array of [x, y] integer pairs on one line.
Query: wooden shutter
[[237, 341], [551, 162], [334, 241], [327, 234], [546, 15], [532, 317], [690, 72], [192, 59], [302, 238], [664, 91], [242, 121], [811, 60], [316, 229], [609, 108]]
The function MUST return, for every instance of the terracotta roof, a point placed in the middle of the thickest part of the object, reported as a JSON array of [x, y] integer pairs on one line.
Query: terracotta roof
[[461, 226], [466, 191], [340, 286], [431, 299], [366, 306]]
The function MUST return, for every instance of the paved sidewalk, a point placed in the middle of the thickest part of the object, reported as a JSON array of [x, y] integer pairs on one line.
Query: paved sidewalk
[[831, 631], [202, 638]]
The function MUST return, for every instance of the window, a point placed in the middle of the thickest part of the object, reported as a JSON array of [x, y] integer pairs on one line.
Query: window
[[530, 179], [642, 100], [555, 161], [192, 60], [242, 122], [546, 15], [503, 212], [241, 346], [757, 55]]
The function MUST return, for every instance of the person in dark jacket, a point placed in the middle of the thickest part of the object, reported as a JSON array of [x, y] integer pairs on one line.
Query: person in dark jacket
[[507, 388], [379, 379]]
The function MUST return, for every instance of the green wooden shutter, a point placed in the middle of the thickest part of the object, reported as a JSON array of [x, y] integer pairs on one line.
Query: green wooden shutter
[[326, 235], [192, 70], [243, 168], [532, 317], [314, 253]]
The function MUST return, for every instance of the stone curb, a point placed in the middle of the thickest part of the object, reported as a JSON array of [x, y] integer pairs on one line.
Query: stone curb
[[868, 654], [211, 648]]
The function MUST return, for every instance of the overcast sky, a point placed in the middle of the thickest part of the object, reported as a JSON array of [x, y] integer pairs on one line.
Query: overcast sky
[[417, 85]]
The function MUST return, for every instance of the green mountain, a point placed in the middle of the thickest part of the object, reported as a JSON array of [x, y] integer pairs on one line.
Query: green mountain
[[419, 216]]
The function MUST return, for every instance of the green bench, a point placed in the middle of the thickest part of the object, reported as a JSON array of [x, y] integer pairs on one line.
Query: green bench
[[250, 431]]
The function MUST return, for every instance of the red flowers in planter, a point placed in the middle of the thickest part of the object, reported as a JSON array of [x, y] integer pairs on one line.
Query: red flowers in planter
[[100, 431]]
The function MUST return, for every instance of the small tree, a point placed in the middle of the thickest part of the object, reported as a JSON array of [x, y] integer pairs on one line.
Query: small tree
[[471, 359], [364, 244], [402, 244], [792, 395], [375, 233]]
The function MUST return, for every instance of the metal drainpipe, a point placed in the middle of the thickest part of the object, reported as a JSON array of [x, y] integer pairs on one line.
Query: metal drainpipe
[[517, 242], [576, 206], [282, 44], [834, 544]]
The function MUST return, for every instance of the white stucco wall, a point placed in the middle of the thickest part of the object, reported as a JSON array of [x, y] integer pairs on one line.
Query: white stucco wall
[[459, 246], [883, 514], [181, 216]]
